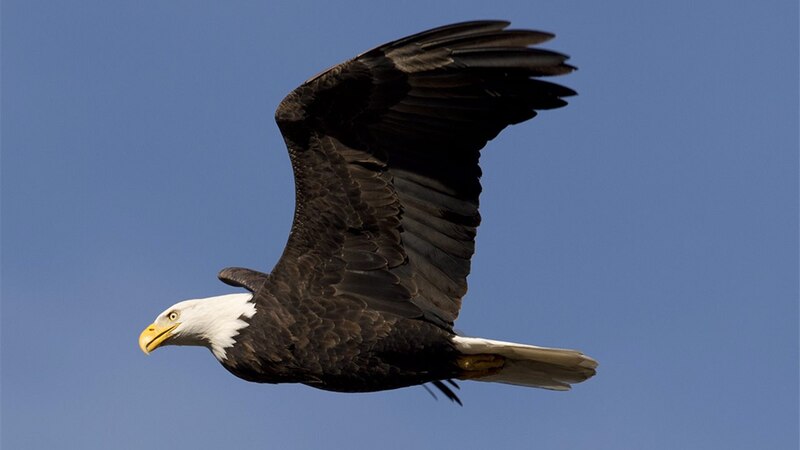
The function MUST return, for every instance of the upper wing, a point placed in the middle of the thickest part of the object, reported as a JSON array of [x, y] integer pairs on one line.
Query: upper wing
[[385, 152]]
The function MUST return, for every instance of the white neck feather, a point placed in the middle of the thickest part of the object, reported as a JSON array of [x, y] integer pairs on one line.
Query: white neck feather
[[213, 321]]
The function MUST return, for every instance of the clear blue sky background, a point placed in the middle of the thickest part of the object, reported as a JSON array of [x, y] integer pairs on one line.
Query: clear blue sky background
[[653, 223]]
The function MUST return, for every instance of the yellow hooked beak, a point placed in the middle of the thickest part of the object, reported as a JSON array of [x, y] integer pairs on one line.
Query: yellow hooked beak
[[154, 335]]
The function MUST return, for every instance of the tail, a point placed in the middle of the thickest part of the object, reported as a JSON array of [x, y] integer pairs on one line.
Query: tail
[[520, 364]]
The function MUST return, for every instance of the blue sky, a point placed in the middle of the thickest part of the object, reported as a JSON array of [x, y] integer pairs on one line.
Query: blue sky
[[653, 223]]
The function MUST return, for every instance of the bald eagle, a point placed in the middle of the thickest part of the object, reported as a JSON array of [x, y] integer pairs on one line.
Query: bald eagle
[[385, 149]]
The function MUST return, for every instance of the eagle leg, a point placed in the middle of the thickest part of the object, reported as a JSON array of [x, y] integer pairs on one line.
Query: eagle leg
[[481, 365]]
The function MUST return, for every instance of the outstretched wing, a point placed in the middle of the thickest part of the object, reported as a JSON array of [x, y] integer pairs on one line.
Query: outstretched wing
[[385, 152]]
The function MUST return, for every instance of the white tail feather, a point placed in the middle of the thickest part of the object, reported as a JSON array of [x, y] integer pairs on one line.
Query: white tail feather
[[529, 365]]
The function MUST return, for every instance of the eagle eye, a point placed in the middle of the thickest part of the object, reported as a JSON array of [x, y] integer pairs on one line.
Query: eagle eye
[[173, 316]]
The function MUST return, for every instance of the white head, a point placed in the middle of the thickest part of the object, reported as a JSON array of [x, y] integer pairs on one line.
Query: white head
[[210, 322]]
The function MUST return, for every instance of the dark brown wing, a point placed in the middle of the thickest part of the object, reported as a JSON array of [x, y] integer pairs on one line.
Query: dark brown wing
[[385, 152]]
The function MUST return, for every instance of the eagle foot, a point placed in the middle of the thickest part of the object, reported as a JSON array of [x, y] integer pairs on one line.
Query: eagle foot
[[477, 366]]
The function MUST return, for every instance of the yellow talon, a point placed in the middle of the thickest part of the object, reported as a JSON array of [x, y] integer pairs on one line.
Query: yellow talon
[[476, 366]]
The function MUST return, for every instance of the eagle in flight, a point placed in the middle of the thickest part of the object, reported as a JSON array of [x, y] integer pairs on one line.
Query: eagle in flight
[[385, 150]]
